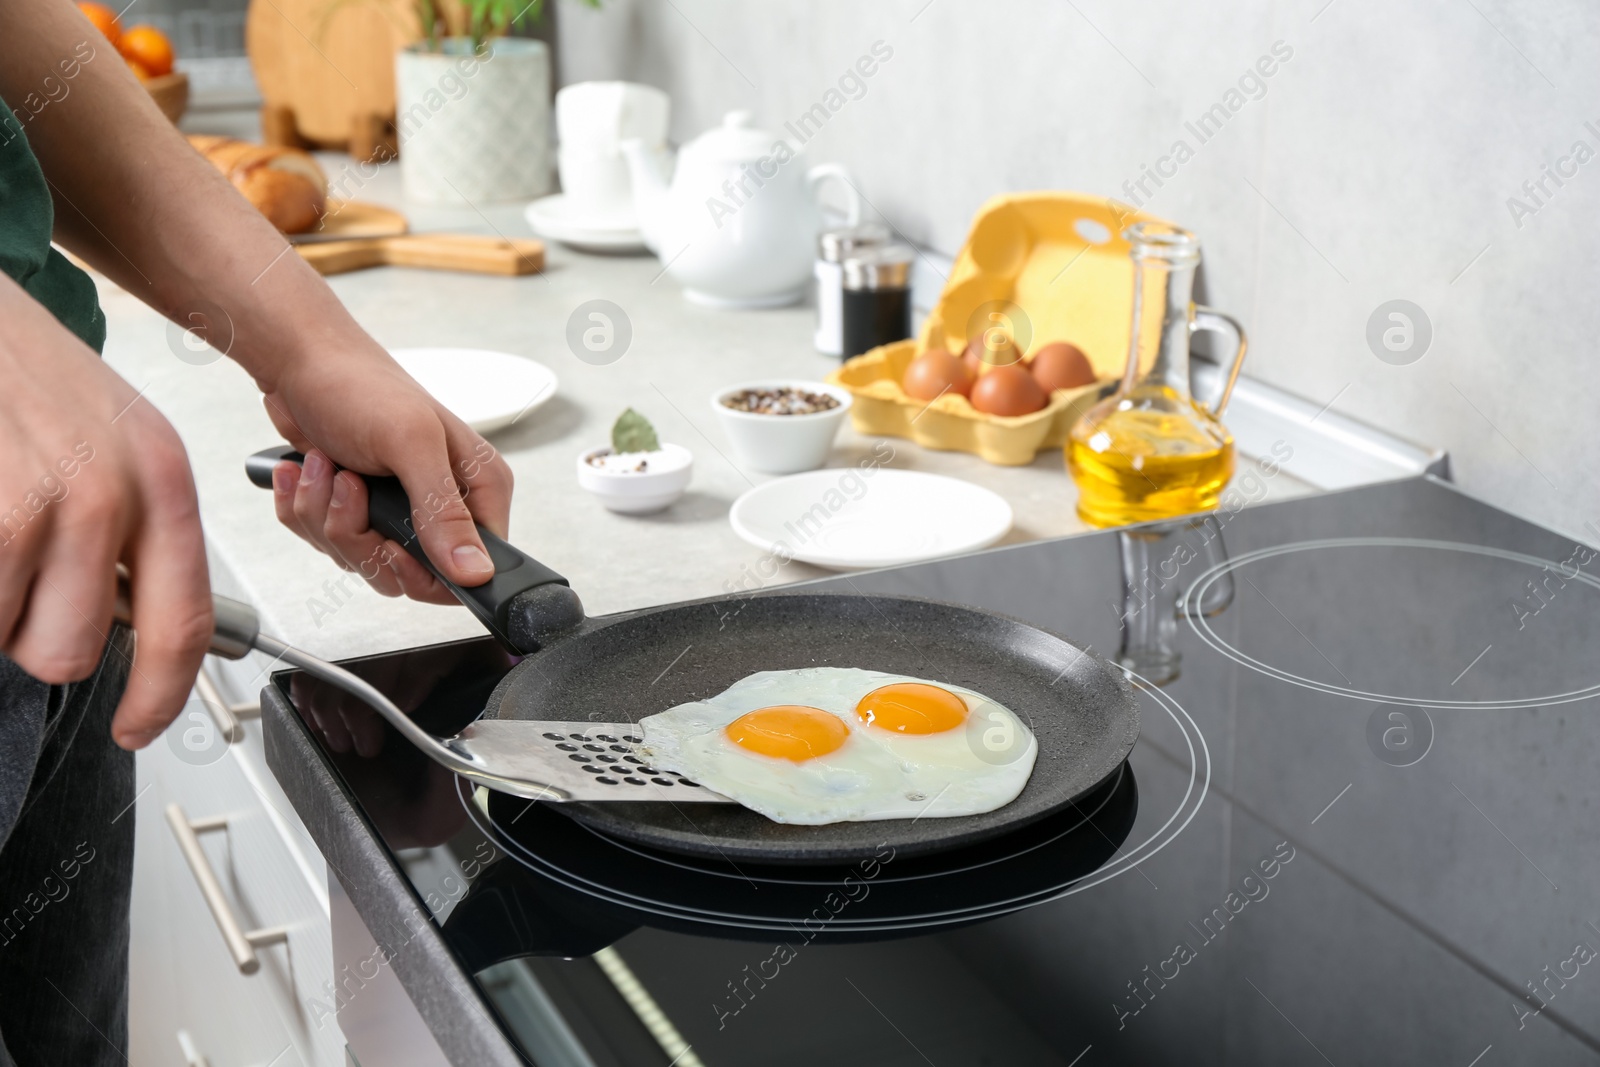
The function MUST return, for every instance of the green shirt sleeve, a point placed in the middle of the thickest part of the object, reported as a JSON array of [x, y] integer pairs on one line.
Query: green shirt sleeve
[[26, 219]]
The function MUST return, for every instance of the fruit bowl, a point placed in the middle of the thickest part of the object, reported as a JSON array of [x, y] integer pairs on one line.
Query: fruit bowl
[[171, 93], [148, 53]]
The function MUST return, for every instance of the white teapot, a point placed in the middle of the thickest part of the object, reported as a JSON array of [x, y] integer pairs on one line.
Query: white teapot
[[737, 224]]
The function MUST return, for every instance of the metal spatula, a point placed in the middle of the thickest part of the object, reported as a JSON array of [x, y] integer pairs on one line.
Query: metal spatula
[[582, 760], [559, 761]]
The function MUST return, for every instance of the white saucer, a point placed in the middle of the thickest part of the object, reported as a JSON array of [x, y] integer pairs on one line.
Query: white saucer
[[486, 390], [552, 217], [848, 519]]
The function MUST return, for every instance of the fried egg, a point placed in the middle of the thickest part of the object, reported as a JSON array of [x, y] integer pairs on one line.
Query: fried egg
[[838, 744]]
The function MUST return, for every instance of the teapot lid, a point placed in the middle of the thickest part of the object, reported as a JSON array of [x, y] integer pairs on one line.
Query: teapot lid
[[735, 141]]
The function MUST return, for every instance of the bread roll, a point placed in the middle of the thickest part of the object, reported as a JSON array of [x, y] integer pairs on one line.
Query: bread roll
[[284, 184]]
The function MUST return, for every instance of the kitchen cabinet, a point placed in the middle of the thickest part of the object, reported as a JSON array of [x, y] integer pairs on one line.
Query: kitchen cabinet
[[184, 978]]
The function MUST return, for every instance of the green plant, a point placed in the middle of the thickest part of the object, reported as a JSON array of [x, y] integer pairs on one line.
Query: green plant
[[632, 432], [486, 19]]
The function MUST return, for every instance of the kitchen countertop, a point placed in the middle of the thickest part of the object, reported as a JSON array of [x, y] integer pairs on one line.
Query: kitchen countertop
[[679, 354]]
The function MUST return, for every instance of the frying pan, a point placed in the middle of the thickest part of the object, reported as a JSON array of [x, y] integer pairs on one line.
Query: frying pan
[[616, 671], [584, 885]]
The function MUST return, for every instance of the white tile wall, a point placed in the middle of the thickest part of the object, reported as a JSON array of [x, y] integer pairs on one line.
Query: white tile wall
[[1376, 165]]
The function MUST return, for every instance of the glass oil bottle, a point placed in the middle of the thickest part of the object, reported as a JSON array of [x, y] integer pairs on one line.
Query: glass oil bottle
[[1151, 451]]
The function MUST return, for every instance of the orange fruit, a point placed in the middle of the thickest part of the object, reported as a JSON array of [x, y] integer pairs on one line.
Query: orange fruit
[[148, 47], [138, 69], [104, 19]]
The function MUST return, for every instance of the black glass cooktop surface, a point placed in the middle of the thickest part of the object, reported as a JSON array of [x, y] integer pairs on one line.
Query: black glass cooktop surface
[[1359, 827]]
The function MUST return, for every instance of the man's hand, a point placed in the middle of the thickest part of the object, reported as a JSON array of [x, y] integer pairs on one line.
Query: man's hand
[[142, 206], [94, 476], [354, 406], [139, 204]]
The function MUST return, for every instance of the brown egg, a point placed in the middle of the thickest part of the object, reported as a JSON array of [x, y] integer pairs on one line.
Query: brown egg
[[1008, 390], [1060, 365], [935, 373], [971, 360], [992, 348]]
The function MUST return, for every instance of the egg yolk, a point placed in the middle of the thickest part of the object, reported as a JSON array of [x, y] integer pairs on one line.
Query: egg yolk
[[788, 731], [912, 708]]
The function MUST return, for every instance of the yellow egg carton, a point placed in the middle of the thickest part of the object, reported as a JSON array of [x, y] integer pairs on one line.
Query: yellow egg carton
[[1047, 266], [951, 423]]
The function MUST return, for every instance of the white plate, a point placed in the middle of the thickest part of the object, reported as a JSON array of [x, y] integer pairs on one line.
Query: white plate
[[486, 390], [551, 217], [848, 519]]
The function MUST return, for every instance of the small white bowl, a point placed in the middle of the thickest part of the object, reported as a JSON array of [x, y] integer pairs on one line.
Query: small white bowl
[[636, 492], [782, 444]]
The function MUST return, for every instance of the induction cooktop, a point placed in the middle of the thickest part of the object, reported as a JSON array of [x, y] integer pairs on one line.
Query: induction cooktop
[[1360, 826]]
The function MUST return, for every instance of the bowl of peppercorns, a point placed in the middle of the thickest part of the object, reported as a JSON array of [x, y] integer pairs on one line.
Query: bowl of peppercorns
[[781, 427]]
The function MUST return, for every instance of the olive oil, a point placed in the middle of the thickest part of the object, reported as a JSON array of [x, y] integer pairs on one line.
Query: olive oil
[[1149, 451], [1137, 463]]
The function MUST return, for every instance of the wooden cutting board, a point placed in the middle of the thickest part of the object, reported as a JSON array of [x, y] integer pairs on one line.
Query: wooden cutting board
[[328, 64], [346, 219], [435, 251]]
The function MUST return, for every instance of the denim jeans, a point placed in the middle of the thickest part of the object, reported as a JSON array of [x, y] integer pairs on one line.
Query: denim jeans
[[66, 867]]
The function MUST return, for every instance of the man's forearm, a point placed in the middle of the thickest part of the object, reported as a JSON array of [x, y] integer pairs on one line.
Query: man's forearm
[[134, 200]]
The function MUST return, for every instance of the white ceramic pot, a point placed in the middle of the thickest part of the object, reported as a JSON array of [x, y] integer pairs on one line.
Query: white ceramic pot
[[781, 444], [636, 492], [474, 129]]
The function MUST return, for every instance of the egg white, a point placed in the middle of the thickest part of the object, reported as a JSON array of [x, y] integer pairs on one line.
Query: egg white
[[876, 774]]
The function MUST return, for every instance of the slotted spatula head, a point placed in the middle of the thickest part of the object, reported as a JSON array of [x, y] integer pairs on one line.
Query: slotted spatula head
[[584, 760]]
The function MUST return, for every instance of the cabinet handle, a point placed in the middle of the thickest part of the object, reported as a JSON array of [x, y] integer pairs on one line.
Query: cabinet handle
[[223, 713], [192, 1056], [242, 944]]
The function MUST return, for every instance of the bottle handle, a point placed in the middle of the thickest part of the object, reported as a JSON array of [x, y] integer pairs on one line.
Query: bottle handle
[[821, 173], [1214, 321]]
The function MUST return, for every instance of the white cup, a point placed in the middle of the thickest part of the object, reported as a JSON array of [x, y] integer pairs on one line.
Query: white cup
[[596, 186], [592, 120]]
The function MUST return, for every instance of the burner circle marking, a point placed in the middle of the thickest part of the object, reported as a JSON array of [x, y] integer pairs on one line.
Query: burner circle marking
[[1196, 593]]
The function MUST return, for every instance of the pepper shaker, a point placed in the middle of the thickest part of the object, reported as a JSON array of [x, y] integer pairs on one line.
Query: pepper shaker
[[833, 247], [876, 298]]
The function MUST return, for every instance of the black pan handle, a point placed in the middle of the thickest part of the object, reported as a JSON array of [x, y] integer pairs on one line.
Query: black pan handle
[[524, 605]]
